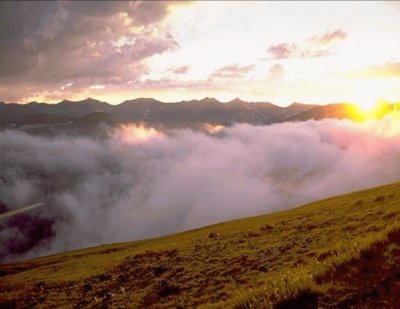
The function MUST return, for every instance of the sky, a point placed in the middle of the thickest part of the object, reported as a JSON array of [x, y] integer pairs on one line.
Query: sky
[[280, 52]]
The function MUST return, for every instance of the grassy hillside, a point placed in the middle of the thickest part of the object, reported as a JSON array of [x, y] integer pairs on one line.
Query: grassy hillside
[[320, 254]]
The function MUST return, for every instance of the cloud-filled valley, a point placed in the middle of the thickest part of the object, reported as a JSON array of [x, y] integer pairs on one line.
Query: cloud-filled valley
[[142, 183]]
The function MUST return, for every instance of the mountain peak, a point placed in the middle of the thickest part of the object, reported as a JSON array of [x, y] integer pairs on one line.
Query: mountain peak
[[88, 99], [143, 100], [294, 104], [237, 100], [91, 99], [209, 100]]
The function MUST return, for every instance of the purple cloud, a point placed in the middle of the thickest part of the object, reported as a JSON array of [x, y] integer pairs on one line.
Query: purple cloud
[[330, 37], [316, 46], [180, 70], [232, 71], [283, 50], [48, 44]]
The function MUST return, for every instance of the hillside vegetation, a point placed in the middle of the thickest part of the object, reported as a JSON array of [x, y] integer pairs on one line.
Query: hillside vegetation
[[341, 251]]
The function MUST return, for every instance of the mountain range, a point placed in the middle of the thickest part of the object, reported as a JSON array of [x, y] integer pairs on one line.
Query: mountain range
[[78, 116]]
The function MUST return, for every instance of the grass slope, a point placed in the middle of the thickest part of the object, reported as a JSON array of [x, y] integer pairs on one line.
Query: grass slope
[[288, 259]]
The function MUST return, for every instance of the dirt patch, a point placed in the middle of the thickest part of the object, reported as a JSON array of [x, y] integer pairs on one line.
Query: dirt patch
[[305, 300], [370, 281]]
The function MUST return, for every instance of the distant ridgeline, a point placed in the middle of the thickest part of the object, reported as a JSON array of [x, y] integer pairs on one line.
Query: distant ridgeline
[[86, 115]]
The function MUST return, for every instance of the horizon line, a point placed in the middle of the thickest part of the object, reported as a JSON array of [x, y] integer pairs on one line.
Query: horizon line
[[237, 99]]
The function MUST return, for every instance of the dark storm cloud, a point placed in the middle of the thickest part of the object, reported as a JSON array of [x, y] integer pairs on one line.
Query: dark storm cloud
[[48, 43]]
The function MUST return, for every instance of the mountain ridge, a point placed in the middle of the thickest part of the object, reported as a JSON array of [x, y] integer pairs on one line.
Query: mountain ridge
[[183, 114]]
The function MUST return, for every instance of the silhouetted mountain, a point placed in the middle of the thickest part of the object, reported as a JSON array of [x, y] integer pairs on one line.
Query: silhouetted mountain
[[11, 112], [188, 113], [88, 114], [72, 108], [295, 108], [339, 111], [42, 118]]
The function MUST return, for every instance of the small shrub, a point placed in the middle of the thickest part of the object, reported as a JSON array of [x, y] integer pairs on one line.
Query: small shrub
[[167, 287], [213, 235], [379, 199]]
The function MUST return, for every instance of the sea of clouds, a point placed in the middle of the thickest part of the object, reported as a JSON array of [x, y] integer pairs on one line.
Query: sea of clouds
[[141, 183]]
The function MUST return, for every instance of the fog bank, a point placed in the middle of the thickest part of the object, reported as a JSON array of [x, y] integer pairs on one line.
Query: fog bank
[[143, 183]]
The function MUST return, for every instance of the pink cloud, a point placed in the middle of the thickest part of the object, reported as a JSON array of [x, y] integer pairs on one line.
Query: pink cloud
[[232, 71], [283, 50], [276, 72], [180, 70], [330, 37], [316, 46]]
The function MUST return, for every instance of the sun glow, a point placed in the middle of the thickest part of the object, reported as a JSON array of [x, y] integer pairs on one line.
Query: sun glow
[[138, 134], [213, 129], [368, 104], [372, 109]]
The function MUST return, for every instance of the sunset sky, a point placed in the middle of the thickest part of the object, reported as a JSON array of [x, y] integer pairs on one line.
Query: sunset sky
[[281, 52]]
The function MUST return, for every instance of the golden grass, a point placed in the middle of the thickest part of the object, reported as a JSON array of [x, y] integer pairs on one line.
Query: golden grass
[[247, 263]]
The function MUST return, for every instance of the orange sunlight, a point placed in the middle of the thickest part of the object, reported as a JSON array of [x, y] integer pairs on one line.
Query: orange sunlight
[[212, 129], [371, 109], [138, 134]]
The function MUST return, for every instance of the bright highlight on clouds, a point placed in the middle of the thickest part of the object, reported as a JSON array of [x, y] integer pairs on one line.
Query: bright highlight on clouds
[[139, 184], [134, 134], [212, 129], [173, 50]]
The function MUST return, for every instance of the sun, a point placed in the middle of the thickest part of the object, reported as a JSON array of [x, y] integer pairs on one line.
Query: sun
[[368, 97], [371, 108], [367, 103]]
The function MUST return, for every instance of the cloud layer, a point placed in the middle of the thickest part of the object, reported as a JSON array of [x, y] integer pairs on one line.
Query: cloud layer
[[143, 183]]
